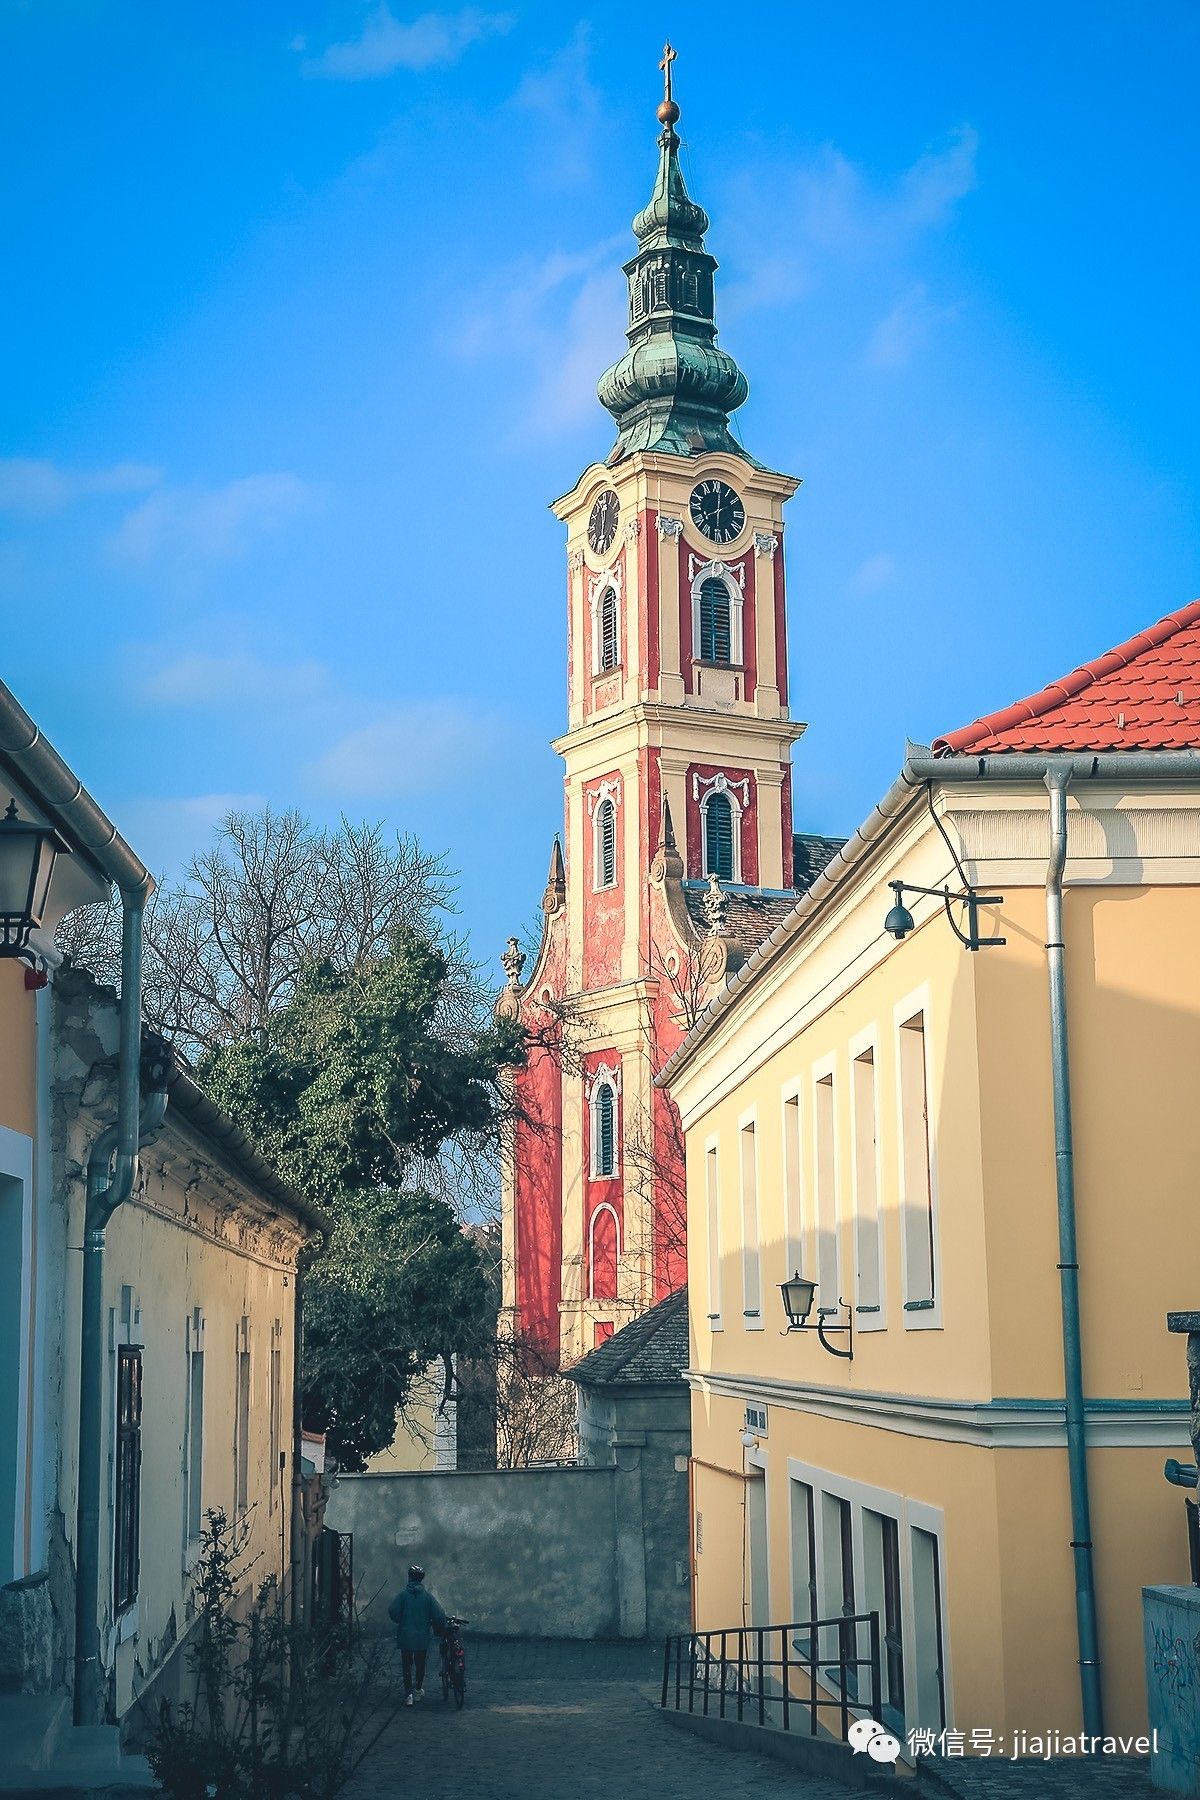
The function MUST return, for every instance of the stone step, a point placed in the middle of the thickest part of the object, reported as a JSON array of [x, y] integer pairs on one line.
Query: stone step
[[71, 1762], [31, 1727]]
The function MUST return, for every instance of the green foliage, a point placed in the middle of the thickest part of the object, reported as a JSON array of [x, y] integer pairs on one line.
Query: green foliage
[[357, 1076]]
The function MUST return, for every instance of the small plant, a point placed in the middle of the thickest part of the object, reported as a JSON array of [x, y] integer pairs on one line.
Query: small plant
[[282, 1710]]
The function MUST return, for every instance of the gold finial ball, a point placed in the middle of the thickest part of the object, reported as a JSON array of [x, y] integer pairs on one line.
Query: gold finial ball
[[668, 112]]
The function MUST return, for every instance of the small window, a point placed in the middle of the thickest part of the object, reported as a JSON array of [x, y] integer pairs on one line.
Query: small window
[[276, 1415], [242, 1424], [195, 1445], [920, 1261], [604, 1121], [605, 1252], [718, 837], [866, 1188], [716, 634], [828, 1269], [609, 658], [606, 844], [751, 1256], [128, 1496], [712, 1207]]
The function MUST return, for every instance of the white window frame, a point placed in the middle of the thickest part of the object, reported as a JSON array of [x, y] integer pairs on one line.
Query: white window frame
[[867, 1321], [605, 1206], [729, 578], [703, 789], [712, 1230], [795, 1244], [243, 1429], [861, 1496], [194, 1337], [750, 1198], [827, 1070], [610, 791], [925, 1318], [597, 585], [605, 1074]]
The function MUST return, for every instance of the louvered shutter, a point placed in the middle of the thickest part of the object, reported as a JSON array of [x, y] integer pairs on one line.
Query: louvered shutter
[[608, 630], [608, 843], [718, 837], [715, 635], [605, 1161]]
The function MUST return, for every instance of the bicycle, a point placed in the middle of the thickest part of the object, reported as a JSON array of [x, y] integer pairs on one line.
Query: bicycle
[[454, 1662]]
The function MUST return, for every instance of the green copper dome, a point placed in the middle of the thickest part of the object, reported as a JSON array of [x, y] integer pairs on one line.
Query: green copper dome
[[673, 390]]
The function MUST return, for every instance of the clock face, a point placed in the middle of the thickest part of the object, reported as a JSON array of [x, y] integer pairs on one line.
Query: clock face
[[602, 521], [717, 511]]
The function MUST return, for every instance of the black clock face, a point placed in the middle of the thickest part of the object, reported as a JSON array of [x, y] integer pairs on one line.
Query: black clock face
[[602, 521], [717, 511]]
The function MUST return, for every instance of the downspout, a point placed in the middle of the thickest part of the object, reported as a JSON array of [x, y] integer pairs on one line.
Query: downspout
[[1057, 781], [112, 1168]]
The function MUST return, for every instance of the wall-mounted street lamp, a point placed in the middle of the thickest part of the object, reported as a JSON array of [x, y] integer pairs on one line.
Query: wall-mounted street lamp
[[28, 853], [900, 921], [798, 1295]]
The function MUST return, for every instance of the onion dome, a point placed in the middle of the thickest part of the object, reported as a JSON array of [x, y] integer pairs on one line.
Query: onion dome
[[674, 389]]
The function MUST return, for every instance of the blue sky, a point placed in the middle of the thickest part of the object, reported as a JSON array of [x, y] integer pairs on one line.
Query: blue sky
[[303, 311]]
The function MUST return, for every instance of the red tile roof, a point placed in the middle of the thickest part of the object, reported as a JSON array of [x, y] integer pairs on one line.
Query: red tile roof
[[1144, 695]]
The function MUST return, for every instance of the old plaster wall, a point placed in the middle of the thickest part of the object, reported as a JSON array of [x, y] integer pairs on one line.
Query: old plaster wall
[[520, 1552]]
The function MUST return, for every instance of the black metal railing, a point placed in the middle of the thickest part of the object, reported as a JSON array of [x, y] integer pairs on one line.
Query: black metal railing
[[782, 1675]]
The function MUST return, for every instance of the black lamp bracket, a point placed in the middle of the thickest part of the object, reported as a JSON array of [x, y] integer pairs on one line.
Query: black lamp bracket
[[963, 897], [822, 1329]]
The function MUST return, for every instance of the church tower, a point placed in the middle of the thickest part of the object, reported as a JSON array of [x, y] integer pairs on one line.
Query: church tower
[[678, 812]]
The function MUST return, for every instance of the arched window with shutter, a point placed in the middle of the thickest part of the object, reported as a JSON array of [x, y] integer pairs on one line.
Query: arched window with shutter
[[716, 628], [609, 657], [719, 825], [604, 845], [604, 1130]]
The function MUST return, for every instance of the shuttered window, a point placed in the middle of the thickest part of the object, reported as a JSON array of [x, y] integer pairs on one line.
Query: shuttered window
[[716, 643], [606, 844], [608, 630], [718, 837], [605, 1127], [128, 1472]]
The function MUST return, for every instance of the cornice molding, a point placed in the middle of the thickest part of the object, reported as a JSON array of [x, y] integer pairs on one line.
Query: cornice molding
[[1016, 1424]]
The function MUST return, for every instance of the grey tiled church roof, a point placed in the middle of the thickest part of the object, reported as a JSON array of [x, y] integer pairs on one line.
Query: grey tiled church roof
[[750, 917], [651, 1349]]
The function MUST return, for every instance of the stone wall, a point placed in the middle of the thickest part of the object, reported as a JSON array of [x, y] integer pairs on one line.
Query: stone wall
[[520, 1552]]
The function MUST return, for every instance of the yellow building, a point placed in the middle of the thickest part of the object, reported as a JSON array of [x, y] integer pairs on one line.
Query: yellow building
[[919, 1128]]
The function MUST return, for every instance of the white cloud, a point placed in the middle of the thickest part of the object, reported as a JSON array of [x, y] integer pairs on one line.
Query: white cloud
[[900, 333], [827, 217], [384, 44], [876, 572], [166, 833], [212, 523], [199, 678], [31, 485], [565, 317], [563, 100], [418, 747]]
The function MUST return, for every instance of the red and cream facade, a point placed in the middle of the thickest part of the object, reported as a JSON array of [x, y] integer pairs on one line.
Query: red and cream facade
[[623, 966]]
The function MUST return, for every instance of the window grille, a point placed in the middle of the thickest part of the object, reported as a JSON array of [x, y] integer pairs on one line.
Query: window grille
[[606, 844], [718, 836], [128, 1497], [608, 631], [605, 1107], [716, 636]]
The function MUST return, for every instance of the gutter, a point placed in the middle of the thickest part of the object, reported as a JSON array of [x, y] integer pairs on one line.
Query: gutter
[[1057, 774]]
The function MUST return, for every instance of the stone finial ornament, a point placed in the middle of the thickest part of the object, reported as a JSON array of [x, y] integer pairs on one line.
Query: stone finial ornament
[[716, 907]]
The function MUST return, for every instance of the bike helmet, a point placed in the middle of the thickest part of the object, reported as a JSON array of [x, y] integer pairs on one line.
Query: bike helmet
[[416, 1572]]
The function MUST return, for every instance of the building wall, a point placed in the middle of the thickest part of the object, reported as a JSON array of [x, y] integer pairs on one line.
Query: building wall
[[195, 1259], [949, 1416]]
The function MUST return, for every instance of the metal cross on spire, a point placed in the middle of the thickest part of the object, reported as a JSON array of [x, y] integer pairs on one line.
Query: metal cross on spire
[[668, 112]]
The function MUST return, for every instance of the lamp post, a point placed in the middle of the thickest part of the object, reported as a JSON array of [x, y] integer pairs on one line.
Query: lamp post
[[28, 854], [798, 1294]]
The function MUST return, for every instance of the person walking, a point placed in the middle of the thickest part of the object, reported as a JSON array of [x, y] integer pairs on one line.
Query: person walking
[[416, 1615]]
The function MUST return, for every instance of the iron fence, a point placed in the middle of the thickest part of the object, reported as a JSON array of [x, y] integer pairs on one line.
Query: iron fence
[[781, 1675]]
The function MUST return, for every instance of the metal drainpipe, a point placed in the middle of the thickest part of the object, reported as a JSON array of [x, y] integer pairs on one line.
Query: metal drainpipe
[[1057, 781], [109, 1184]]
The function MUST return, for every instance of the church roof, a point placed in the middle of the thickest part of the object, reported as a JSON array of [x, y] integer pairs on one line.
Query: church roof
[[651, 1349], [810, 853], [673, 390], [749, 917], [1144, 695]]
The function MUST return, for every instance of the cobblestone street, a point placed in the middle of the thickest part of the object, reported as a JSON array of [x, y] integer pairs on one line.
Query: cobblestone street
[[564, 1720]]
